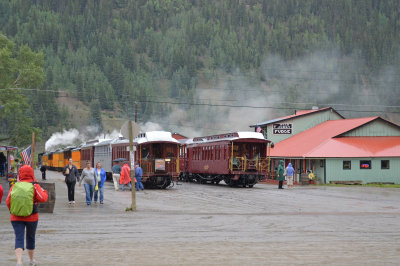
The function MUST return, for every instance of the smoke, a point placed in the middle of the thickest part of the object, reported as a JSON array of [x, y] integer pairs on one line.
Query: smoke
[[65, 138], [74, 136], [150, 126]]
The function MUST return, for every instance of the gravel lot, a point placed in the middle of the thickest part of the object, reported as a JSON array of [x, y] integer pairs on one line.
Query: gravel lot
[[193, 224]]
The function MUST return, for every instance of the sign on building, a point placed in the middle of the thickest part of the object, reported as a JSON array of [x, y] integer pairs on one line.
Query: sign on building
[[282, 128]]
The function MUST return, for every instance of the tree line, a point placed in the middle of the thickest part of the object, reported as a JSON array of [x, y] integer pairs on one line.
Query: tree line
[[142, 48]]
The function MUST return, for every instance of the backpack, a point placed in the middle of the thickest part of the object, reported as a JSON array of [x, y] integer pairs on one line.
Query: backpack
[[22, 199]]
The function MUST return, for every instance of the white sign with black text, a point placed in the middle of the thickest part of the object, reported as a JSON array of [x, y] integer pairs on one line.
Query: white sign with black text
[[281, 128]]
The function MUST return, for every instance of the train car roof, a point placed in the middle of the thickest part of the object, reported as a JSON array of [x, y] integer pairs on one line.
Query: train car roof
[[105, 142], [89, 144], [155, 136], [228, 136]]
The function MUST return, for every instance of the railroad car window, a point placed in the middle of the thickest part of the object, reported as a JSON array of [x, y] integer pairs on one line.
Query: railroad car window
[[385, 164], [346, 165], [365, 164]]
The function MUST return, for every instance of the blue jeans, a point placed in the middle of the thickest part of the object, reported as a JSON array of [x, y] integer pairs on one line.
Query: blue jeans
[[129, 185], [139, 183], [101, 189], [89, 189], [19, 230]]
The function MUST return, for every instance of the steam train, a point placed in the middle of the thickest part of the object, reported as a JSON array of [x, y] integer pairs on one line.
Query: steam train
[[156, 152], [240, 159]]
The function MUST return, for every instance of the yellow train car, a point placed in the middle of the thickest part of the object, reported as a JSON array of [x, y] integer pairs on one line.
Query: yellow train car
[[76, 158], [45, 159], [56, 157]]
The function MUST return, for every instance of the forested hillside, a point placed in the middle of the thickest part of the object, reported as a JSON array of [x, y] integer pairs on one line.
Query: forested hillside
[[210, 57]]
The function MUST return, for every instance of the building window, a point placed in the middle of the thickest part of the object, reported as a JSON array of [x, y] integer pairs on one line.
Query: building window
[[346, 165], [385, 164], [321, 163], [365, 164]]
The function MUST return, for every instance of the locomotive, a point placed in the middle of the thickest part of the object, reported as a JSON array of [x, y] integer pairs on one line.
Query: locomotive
[[156, 152], [239, 159]]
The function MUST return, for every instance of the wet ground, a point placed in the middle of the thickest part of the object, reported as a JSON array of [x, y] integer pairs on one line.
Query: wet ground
[[193, 224]]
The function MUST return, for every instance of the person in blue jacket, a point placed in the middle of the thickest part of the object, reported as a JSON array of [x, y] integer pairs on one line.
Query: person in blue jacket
[[100, 179], [290, 175], [138, 176]]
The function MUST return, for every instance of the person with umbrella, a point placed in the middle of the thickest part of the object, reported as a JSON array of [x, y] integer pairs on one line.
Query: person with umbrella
[[116, 171]]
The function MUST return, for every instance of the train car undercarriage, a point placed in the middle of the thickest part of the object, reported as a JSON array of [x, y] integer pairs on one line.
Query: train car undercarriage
[[160, 182], [232, 180]]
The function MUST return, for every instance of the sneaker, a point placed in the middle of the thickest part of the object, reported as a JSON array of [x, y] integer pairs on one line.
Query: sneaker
[[69, 202], [88, 204], [32, 263], [73, 202], [101, 203]]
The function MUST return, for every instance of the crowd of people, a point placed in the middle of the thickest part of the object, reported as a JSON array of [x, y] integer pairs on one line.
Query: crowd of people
[[25, 194], [93, 180]]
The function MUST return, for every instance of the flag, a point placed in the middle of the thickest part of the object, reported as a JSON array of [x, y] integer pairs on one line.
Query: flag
[[26, 155]]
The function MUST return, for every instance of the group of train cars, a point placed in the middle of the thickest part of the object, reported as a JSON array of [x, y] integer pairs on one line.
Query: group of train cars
[[239, 159]]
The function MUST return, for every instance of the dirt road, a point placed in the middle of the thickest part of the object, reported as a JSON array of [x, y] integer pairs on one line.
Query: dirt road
[[193, 224]]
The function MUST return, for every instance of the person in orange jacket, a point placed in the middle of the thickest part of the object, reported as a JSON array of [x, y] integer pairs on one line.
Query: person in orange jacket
[[20, 223], [125, 177]]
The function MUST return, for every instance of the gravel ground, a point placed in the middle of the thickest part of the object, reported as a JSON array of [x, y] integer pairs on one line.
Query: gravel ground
[[193, 224]]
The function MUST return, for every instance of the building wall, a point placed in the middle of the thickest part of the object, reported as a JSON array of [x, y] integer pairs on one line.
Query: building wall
[[301, 123], [335, 171], [375, 128]]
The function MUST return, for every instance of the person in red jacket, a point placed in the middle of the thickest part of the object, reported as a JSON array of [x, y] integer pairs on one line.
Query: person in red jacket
[[1, 193], [30, 222], [125, 178]]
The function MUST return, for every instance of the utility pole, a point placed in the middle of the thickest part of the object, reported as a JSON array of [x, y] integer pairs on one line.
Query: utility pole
[[136, 106], [33, 151], [132, 156]]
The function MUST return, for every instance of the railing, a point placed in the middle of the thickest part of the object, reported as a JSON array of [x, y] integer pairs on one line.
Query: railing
[[167, 165], [244, 164]]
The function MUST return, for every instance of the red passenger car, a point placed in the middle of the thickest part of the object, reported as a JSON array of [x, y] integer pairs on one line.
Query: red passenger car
[[240, 159], [157, 154], [87, 153]]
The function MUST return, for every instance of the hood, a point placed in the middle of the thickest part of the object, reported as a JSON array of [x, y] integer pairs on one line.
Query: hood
[[281, 162], [26, 174], [289, 165]]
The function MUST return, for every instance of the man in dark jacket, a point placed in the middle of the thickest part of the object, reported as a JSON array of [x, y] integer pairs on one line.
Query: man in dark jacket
[[43, 170], [71, 176], [280, 172]]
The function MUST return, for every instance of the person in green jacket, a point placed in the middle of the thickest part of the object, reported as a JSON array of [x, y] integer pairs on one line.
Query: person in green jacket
[[280, 172]]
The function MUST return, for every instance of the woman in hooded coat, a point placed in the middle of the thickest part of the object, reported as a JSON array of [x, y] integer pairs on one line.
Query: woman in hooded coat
[[20, 223], [289, 175], [280, 173]]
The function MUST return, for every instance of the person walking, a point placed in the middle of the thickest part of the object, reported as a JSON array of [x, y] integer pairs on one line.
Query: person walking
[[22, 202], [43, 170], [89, 181], [116, 173], [100, 179], [71, 174], [289, 175], [280, 174], [125, 178], [138, 177]]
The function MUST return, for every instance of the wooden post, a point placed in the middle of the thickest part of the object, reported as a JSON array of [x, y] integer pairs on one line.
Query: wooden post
[[132, 155], [33, 151]]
